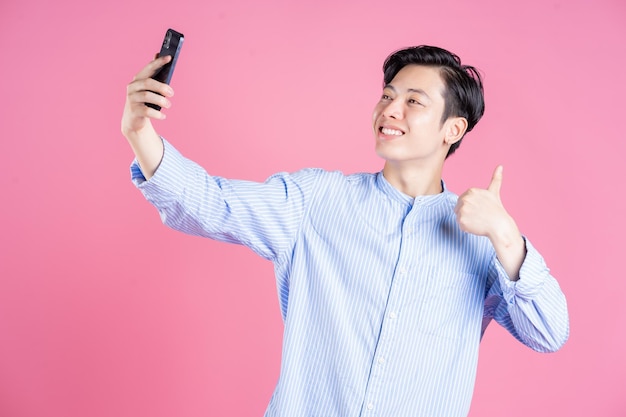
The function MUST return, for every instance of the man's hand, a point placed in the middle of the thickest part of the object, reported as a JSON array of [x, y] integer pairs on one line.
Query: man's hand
[[144, 89], [136, 119], [480, 212]]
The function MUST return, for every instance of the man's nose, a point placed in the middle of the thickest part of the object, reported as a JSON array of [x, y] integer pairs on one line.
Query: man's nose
[[393, 109]]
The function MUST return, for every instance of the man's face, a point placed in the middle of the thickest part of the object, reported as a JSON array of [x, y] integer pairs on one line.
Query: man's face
[[407, 119]]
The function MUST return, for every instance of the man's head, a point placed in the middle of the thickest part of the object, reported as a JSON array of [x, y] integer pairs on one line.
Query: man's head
[[463, 93]]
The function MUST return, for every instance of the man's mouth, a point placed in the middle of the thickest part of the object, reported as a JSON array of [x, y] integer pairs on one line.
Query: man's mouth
[[391, 132]]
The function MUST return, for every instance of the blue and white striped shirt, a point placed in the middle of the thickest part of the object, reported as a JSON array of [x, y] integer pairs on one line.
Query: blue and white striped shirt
[[384, 299]]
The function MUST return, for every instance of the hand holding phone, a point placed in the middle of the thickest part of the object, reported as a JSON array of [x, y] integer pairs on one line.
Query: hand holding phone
[[172, 43]]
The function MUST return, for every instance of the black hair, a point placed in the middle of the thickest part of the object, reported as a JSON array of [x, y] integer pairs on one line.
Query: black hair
[[463, 95]]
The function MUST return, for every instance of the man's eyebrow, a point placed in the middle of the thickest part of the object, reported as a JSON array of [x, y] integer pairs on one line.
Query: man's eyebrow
[[410, 90]]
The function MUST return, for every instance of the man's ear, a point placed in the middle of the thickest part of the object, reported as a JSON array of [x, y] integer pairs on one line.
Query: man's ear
[[455, 128]]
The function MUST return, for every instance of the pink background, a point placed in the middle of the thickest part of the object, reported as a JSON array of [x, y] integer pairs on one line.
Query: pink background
[[105, 312]]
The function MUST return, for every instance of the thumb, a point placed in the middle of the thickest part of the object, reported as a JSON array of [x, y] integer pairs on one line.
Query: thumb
[[496, 180]]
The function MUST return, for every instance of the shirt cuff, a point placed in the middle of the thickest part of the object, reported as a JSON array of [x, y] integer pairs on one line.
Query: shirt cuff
[[532, 275], [166, 182]]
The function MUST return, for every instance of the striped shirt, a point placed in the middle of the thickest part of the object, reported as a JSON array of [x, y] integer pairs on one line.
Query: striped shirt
[[384, 299]]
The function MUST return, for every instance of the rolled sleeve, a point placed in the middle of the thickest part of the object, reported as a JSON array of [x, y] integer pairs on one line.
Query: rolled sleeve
[[166, 183], [532, 276]]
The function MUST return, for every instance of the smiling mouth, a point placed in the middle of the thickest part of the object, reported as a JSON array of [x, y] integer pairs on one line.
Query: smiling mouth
[[390, 132]]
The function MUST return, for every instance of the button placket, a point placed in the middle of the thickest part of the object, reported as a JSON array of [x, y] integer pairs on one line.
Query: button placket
[[390, 323]]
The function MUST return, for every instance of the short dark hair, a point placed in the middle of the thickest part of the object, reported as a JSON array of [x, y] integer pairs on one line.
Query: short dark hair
[[463, 96]]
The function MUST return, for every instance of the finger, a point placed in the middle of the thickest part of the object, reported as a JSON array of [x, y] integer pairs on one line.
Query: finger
[[496, 180], [152, 67], [151, 97], [154, 113], [140, 109], [149, 84]]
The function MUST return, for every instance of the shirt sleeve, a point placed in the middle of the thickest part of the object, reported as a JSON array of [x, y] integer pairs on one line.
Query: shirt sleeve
[[263, 216], [533, 309]]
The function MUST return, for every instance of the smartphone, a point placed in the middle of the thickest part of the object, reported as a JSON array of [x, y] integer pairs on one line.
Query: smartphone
[[172, 43]]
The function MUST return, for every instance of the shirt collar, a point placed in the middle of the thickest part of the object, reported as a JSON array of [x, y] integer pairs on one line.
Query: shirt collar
[[423, 200]]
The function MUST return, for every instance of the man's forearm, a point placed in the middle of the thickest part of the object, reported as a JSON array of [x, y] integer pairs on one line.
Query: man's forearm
[[148, 148], [510, 249]]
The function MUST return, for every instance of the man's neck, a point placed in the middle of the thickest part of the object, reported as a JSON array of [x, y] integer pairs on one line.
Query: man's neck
[[414, 181]]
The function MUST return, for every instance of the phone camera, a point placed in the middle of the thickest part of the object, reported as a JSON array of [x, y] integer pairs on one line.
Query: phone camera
[[167, 40]]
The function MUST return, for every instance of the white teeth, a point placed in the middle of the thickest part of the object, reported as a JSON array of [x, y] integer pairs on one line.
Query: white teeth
[[388, 131]]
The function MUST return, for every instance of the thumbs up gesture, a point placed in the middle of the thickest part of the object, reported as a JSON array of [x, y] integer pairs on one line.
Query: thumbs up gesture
[[480, 212]]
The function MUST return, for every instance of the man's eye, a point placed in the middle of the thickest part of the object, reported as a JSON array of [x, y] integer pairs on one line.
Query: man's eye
[[385, 97]]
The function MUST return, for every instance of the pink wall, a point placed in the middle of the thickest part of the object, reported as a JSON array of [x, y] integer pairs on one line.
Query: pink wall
[[105, 312]]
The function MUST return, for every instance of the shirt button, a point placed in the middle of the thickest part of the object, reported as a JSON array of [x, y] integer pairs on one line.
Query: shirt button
[[381, 360], [403, 270], [370, 406], [409, 230], [393, 315]]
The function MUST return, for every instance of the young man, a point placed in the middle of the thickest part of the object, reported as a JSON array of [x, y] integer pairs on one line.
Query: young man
[[388, 280]]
